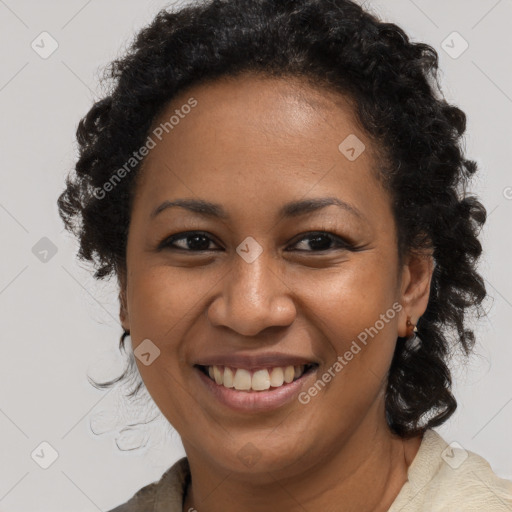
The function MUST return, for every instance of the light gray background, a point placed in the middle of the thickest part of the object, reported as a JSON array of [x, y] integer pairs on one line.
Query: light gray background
[[58, 324]]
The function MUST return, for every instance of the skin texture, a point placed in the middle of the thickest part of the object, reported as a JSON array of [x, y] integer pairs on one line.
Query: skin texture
[[253, 144]]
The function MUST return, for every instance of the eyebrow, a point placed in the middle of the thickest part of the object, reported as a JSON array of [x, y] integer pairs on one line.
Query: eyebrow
[[292, 209]]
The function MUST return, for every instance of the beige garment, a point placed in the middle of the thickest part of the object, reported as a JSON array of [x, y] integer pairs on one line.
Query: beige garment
[[444, 479], [440, 479]]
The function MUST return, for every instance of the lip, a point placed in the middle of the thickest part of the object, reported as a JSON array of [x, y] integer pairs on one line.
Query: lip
[[256, 361], [255, 401]]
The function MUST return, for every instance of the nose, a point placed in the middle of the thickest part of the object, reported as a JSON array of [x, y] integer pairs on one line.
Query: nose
[[253, 297]]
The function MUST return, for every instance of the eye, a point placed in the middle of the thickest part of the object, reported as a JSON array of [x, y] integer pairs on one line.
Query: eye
[[198, 241], [322, 241]]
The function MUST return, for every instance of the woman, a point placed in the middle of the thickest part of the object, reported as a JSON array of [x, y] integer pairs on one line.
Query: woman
[[280, 190]]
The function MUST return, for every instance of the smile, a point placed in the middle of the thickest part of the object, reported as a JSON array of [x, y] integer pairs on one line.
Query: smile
[[262, 390], [242, 379]]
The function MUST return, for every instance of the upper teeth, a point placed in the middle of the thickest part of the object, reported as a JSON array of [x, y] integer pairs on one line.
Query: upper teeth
[[258, 380]]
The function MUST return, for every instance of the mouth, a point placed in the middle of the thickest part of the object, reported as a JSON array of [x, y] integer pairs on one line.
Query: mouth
[[256, 390], [249, 381]]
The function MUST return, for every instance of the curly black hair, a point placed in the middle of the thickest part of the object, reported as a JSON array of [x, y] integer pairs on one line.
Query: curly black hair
[[394, 86]]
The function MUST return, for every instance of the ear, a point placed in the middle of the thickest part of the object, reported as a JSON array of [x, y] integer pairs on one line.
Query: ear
[[415, 289], [123, 303]]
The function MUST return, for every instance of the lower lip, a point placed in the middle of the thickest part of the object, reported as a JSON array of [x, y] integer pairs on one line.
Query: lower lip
[[256, 401]]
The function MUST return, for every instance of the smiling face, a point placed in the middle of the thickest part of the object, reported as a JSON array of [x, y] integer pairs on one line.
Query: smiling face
[[265, 270]]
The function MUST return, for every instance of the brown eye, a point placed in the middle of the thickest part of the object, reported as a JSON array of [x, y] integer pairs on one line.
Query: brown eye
[[322, 241], [198, 241], [194, 241]]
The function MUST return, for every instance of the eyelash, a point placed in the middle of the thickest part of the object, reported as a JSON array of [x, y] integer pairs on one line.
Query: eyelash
[[339, 242]]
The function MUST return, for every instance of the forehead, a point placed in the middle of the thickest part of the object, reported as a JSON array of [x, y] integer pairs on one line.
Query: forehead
[[252, 109], [257, 138]]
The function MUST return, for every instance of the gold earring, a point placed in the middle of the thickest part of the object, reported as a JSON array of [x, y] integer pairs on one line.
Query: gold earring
[[409, 324], [413, 340]]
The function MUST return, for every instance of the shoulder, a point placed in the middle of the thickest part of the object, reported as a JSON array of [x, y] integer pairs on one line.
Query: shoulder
[[449, 478], [164, 495], [466, 478]]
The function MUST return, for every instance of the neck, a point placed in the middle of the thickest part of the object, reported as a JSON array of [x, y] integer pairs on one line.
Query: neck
[[364, 473]]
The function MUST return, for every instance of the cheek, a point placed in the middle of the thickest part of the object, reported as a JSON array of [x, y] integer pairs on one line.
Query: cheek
[[159, 301], [161, 297], [353, 310], [351, 295]]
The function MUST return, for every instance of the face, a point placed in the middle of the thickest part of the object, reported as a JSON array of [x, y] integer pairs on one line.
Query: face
[[277, 280]]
